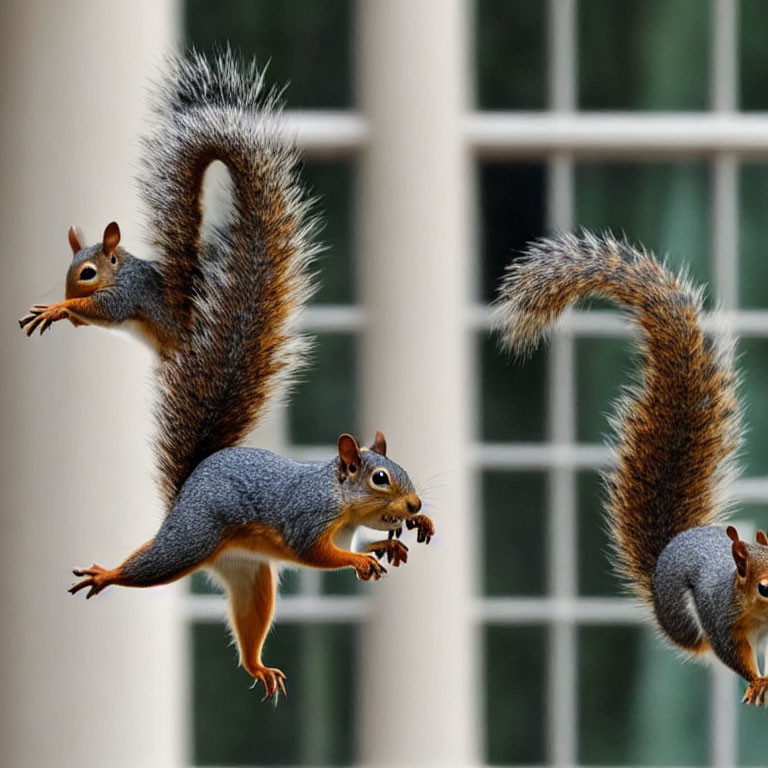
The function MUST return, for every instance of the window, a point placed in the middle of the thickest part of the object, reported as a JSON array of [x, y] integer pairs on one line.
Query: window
[[566, 670]]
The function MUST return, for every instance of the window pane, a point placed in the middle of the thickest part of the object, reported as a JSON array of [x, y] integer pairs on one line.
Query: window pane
[[512, 393], [514, 519], [596, 575], [515, 675], [752, 724], [200, 583], [332, 183], [232, 726], [753, 30], [341, 582], [632, 685], [510, 53], [643, 54], [753, 235], [307, 43], [512, 213], [324, 404], [753, 362], [663, 206], [603, 366]]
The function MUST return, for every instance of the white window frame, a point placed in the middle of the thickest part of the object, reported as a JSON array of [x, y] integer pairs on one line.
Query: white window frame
[[564, 136]]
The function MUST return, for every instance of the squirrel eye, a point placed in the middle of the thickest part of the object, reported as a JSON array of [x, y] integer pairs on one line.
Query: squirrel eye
[[762, 587], [88, 273], [380, 477]]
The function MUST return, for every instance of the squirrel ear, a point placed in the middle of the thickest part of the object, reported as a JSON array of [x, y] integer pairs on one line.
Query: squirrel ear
[[349, 453], [74, 242], [761, 538], [111, 237], [739, 550], [379, 443]]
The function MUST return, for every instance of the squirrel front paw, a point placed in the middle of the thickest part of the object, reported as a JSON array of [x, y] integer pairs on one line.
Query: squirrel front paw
[[369, 568], [394, 549], [756, 692], [426, 530], [42, 316], [97, 578]]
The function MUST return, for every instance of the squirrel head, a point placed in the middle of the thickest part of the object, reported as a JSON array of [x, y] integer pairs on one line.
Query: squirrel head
[[94, 267], [751, 570], [376, 492]]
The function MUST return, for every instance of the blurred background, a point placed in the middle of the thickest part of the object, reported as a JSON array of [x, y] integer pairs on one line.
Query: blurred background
[[440, 135]]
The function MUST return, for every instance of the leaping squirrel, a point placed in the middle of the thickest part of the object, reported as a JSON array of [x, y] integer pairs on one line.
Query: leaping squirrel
[[676, 434], [221, 310]]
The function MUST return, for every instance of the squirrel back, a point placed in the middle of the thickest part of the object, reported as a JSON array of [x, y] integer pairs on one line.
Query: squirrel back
[[677, 429], [235, 291]]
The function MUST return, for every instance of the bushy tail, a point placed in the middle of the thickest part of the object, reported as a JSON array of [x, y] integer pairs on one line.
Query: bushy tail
[[677, 429], [238, 293]]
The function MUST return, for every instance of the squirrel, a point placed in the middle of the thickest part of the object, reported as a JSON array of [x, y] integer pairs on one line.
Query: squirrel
[[107, 286], [677, 435], [221, 308]]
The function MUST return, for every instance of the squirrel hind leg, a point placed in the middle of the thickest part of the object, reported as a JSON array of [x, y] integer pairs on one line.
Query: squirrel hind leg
[[251, 589]]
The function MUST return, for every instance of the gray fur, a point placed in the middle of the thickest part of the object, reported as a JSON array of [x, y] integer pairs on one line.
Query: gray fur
[[136, 295], [693, 591], [237, 486]]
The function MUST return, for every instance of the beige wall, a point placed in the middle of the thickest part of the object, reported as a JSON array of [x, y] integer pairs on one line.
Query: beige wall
[[94, 683]]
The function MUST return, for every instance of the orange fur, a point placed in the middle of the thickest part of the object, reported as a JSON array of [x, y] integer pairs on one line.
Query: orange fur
[[261, 539], [326, 554]]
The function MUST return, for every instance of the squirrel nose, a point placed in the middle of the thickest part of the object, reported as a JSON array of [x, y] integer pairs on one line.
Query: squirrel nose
[[414, 504]]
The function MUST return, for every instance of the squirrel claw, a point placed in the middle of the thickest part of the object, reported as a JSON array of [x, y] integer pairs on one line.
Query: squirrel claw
[[273, 679], [426, 529], [96, 578], [42, 316], [394, 549], [756, 692], [370, 568]]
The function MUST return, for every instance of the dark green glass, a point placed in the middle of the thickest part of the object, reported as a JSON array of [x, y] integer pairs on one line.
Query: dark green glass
[[512, 212], [202, 584], [515, 675], [314, 725], [306, 44], [752, 724], [514, 523], [510, 54], [663, 206], [596, 575], [603, 367], [753, 363], [753, 32], [753, 235], [638, 704], [512, 393], [332, 184], [324, 404], [342, 582], [644, 54]]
